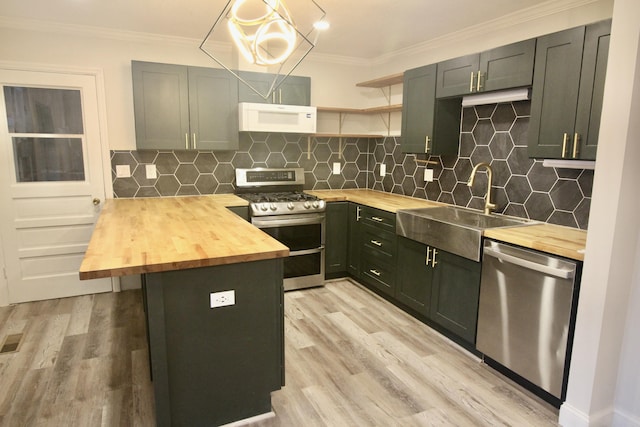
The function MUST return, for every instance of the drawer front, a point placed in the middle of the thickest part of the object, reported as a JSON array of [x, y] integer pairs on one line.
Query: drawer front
[[381, 219], [377, 240], [379, 274]]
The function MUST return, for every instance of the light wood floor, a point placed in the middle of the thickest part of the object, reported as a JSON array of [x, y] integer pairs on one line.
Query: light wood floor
[[352, 359]]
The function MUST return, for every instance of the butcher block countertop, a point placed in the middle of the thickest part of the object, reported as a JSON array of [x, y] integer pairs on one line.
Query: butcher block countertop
[[146, 235], [554, 239], [376, 199]]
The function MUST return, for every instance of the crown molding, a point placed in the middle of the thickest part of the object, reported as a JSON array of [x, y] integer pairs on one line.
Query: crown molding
[[540, 11], [512, 20]]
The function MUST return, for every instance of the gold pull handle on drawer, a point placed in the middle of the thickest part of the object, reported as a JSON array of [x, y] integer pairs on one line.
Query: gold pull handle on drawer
[[377, 243], [377, 219], [375, 272]]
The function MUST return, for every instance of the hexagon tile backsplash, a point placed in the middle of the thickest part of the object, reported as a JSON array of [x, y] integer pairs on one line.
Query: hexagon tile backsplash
[[496, 134]]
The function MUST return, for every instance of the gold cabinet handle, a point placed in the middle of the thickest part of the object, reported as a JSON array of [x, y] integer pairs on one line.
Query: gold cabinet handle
[[576, 142], [186, 141], [377, 243], [428, 260], [358, 214], [377, 219], [195, 144], [479, 85], [427, 146], [96, 201], [564, 144], [280, 96], [375, 272], [433, 257], [471, 82]]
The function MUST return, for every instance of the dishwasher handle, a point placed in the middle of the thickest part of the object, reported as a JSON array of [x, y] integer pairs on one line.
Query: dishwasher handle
[[562, 273]]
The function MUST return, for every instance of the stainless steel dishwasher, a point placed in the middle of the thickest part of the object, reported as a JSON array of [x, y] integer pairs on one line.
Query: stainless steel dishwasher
[[526, 313]]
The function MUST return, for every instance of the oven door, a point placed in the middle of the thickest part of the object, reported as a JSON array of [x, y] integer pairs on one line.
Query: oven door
[[304, 236]]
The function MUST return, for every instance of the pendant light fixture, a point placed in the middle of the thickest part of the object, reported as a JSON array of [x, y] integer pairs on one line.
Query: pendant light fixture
[[264, 35]]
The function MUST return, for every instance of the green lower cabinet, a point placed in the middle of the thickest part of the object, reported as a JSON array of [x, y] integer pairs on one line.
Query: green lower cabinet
[[336, 230], [354, 244], [455, 294], [441, 286], [413, 284]]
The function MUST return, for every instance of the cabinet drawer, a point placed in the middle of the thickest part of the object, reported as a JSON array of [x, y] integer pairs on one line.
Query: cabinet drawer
[[377, 240], [379, 274], [379, 218]]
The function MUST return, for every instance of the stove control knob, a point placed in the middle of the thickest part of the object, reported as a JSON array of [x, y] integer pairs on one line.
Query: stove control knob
[[315, 204], [263, 206], [290, 206], [307, 205], [273, 206]]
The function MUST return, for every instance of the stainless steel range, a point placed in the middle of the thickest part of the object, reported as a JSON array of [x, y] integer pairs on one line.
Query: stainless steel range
[[279, 206]]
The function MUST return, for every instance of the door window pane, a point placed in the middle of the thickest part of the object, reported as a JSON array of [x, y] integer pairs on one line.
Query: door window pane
[[42, 110], [48, 159]]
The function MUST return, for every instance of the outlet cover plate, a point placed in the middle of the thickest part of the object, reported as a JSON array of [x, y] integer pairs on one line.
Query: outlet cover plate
[[222, 299]]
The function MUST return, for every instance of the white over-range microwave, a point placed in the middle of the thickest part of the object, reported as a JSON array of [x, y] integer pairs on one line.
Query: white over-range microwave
[[256, 117]]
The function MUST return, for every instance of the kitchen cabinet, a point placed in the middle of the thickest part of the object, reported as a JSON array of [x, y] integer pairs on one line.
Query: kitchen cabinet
[[566, 98], [294, 90], [429, 125], [354, 245], [504, 67], [336, 229], [378, 255], [414, 281], [241, 211], [439, 285], [455, 294], [215, 365], [184, 108]]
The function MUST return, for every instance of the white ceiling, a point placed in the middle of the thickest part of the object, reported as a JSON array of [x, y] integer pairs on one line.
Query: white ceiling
[[359, 28]]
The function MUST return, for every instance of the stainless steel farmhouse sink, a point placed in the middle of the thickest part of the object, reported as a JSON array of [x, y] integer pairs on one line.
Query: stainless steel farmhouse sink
[[450, 228]]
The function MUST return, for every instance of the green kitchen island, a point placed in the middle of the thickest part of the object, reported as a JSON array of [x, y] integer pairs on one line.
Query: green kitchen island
[[213, 295]]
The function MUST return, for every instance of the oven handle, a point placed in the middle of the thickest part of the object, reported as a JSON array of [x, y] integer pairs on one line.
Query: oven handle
[[267, 223], [307, 251]]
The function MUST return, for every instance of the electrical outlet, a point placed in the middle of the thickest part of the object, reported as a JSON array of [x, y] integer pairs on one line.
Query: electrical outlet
[[383, 169], [123, 171], [428, 175], [151, 171], [336, 168], [222, 299]]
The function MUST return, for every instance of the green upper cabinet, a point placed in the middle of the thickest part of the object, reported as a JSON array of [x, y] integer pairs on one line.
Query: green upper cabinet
[[568, 86], [428, 125], [504, 67], [294, 90], [178, 107]]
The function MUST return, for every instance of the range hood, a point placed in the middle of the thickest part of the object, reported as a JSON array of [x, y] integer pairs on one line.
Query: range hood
[[521, 94]]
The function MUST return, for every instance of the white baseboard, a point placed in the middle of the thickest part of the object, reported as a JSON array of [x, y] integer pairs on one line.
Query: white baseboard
[[624, 419], [570, 416]]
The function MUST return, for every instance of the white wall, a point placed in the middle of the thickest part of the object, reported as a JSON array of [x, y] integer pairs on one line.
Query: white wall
[[610, 269]]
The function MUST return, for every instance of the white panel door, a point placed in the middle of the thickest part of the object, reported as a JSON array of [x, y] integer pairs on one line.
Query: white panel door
[[51, 182]]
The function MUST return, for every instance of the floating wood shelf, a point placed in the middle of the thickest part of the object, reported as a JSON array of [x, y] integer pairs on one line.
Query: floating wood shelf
[[383, 81], [345, 135], [372, 110]]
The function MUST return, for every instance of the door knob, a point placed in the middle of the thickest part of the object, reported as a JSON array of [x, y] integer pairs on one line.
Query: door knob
[[96, 201]]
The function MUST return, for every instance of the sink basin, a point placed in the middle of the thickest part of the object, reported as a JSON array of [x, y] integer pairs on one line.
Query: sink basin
[[452, 229]]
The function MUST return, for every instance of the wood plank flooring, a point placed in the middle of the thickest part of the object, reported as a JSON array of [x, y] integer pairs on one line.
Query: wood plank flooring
[[352, 359]]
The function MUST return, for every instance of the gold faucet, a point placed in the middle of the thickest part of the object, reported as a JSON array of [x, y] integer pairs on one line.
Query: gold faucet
[[488, 206]]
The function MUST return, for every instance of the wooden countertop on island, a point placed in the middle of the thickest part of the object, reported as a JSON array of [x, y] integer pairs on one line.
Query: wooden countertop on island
[[146, 235]]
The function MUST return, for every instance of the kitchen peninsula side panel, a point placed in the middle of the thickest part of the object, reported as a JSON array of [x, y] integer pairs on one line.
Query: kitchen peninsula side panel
[[213, 366]]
